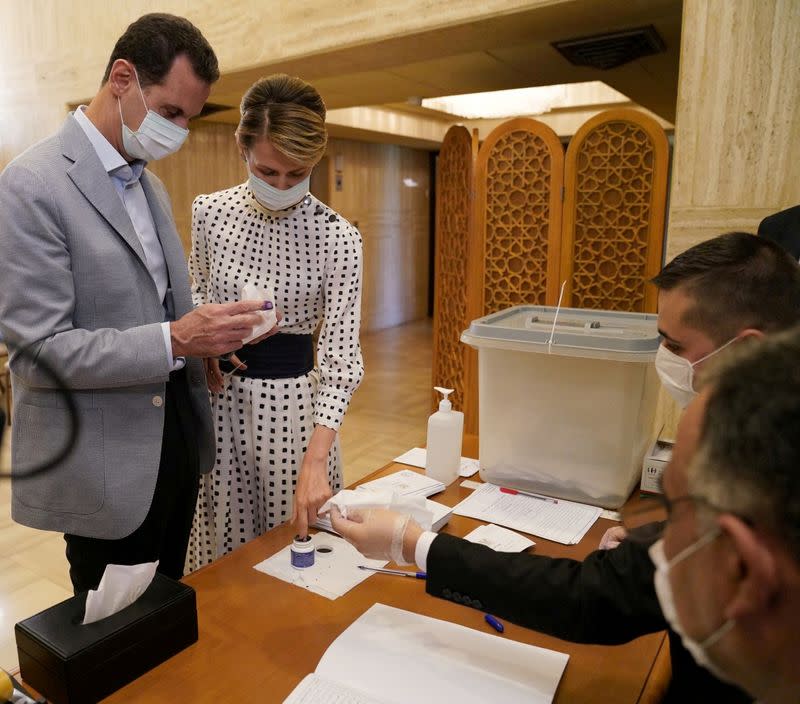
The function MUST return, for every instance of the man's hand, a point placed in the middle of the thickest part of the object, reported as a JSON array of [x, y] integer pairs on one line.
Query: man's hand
[[612, 538], [379, 533], [214, 328], [269, 333]]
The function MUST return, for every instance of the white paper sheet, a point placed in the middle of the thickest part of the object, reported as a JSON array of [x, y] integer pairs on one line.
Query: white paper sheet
[[332, 575], [317, 690], [558, 520], [499, 539], [119, 587], [401, 657], [417, 456]]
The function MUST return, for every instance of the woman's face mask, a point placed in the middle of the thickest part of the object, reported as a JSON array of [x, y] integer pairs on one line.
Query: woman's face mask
[[677, 373], [698, 649], [274, 198]]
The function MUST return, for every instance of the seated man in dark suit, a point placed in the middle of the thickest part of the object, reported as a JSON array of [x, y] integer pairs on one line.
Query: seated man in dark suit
[[727, 289], [783, 228]]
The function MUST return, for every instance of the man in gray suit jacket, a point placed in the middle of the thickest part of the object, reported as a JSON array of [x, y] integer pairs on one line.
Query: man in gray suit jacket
[[93, 281]]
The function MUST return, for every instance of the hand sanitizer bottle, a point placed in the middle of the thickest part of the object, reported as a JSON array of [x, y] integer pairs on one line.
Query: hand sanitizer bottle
[[444, 441]]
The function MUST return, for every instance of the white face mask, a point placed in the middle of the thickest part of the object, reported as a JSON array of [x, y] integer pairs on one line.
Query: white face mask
[[274, 198], [156, 137], [698, 650], [677, 373]]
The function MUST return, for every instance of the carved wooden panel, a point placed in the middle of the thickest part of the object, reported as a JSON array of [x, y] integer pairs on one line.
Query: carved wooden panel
[[615, 196], [454, 187], [519, 173]]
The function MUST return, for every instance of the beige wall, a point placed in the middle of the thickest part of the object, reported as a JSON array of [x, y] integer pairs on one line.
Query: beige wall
[[53, 52], [737, 130], [394, 221]]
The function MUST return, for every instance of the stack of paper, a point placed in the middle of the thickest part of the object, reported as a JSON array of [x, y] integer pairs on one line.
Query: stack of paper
[[392, 656], [406, 483], [417, 456], [553, 519]]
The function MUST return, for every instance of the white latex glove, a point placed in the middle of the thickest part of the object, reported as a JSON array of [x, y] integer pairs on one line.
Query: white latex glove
[[377, 533], [613, 537]]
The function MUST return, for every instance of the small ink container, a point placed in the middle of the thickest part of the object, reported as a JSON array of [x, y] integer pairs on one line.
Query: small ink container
[[302, 552]]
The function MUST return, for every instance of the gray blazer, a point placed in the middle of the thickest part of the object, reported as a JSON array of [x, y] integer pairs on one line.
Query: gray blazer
[[73, 283]]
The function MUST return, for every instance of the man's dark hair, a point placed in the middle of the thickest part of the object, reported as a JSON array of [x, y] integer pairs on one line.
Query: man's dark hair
[[748, 457], [154, 41], [737, 281]]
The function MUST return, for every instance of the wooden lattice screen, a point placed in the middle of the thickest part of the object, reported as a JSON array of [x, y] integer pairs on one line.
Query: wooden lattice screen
[[614, 204], [454, 209], [518, 177]]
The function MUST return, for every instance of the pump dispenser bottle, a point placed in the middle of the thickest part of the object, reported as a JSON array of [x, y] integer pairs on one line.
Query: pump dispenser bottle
[[445, 428]]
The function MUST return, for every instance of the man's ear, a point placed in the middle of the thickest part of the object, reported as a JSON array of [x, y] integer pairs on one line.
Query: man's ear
[[752, 568], [121, 77], [752, 333]]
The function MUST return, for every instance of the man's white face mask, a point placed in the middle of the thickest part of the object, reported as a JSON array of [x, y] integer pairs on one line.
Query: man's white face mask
[[156, 137], [677, 373], [699, 650]]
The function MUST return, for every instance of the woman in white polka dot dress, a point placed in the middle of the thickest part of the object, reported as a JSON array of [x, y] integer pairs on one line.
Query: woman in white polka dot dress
[[276, 418]]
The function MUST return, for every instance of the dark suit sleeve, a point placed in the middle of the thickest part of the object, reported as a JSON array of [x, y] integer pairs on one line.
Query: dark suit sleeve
[[608, 598]]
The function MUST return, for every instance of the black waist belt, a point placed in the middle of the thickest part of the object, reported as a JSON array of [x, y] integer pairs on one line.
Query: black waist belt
[[281, 356]]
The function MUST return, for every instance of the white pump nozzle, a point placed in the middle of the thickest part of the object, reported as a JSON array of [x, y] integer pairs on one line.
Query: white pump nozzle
[[444, 404]]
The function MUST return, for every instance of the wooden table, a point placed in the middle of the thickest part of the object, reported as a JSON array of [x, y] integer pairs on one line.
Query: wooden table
[[260, 636]]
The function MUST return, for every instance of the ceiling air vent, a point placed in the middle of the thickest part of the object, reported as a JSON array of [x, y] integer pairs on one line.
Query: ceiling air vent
[[611, 49]]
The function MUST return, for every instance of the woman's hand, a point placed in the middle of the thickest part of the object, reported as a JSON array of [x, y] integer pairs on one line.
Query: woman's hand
[[312, 491], [214, 376]]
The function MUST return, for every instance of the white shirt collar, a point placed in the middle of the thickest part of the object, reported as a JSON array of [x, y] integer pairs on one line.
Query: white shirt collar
[[109, 157]]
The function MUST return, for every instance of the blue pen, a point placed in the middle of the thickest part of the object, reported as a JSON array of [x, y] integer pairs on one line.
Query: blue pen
[[494, 623], [400, 573]]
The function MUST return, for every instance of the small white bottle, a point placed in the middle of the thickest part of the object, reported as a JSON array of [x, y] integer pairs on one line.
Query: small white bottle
[[445, 428]]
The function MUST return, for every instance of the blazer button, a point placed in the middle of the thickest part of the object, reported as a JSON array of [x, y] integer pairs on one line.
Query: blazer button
[[158, 401]]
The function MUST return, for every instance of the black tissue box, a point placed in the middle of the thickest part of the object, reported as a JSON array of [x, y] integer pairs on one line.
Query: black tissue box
[[70, 663]]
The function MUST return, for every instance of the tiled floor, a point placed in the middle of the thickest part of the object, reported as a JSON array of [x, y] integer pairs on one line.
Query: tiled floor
[[388, 415]]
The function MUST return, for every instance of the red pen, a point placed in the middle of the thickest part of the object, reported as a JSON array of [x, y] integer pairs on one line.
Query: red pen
[[506, 490]]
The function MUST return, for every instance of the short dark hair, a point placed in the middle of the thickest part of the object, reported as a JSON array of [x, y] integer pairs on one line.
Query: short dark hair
[[737, 281], [154, 41], [748, 457]]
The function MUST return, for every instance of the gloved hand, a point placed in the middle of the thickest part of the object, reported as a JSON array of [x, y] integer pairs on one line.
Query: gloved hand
[[379, 533], [613, 537]]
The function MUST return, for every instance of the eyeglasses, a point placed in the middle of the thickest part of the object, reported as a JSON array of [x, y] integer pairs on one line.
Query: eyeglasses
[[646, 519]]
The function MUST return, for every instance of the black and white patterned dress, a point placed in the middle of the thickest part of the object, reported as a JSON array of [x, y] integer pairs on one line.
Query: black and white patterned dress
[[311, 257]]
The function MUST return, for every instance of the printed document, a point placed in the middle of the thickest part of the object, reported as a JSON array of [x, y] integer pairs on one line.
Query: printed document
[[558, 520], [392, 656]]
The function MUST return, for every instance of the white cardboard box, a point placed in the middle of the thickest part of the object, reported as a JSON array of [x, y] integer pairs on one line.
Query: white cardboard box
[[653, 466]]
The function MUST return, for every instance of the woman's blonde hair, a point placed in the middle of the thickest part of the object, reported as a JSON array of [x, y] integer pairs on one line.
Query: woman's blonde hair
[[287, 111]]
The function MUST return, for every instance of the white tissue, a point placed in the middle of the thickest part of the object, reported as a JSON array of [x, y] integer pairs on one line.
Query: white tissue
[[251, 292], [120, 586], [362, 499]]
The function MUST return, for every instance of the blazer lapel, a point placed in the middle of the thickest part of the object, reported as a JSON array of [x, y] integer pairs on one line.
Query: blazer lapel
[[88, 174]]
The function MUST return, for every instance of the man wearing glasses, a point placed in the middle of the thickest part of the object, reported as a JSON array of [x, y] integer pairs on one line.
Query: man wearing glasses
[[728, 566], [715, 295]]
